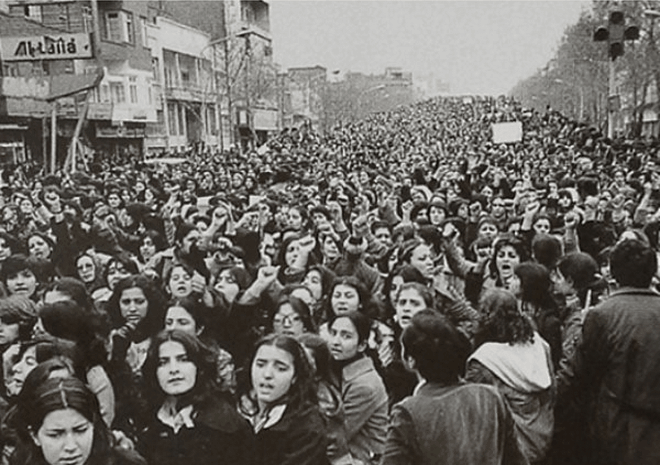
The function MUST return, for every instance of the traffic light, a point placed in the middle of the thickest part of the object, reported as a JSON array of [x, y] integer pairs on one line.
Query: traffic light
[[616, 33]]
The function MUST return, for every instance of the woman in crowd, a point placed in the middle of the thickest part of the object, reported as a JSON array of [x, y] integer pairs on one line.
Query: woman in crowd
[[515, 358], [60, 424], [136, 313], [436, 352], [362, 390], [19, 276], [532, 285], [88, 271], [292, 317], [191, 420], [279, 399], [192, 317]]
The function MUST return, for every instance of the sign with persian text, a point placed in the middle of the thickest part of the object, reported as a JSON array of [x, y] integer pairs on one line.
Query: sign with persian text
[[46, 47]]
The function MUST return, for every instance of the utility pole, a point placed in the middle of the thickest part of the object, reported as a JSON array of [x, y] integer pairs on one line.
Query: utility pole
[[615, 34]]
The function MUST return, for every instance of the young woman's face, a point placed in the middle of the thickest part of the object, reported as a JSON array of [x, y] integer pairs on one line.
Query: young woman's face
[[329, 248], [21, 369], [226, 285], [39, 248], [273, 373], [292, 253], [505, 260], [114, 201], [180, 283], [542, 226], [116, 272], [179, 318], [176, 373], [294, 219], [408, 303], [86, 269], [147, 248], [287, 321], [8, 332], [314, 283], [344, 339], [26, 206], [487, 230], [422, 259], [436, 215], [133, 305], [345, 298], [22, 283], [65, 437]]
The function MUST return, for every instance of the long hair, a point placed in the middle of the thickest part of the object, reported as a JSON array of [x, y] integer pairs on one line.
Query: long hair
[[153, 320], [198, 353], [535, 284], [302, 391], [367, 306], [501, 242], [39, 399], [502, 320]]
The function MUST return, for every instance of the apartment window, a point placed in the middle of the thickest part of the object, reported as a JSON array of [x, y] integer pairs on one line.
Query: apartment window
[[105, 93], [211, 124], [119, 26], [10, 69], [87, 19], [144, 32], [118, 92], [155, 68], [182, 120], [172, 118], [133, 89], [33, 12], [129, 31]]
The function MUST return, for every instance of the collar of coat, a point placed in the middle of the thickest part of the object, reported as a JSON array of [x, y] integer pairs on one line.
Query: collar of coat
[[359, 367], [635, 290]]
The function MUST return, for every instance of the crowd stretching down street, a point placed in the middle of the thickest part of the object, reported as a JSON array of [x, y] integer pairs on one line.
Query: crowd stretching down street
[[400, 290]]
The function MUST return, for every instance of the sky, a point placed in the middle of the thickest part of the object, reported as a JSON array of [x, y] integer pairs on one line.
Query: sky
[[479, 47]]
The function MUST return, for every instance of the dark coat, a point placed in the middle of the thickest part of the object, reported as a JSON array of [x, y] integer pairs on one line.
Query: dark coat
[[618, 366], [461, 424], [299, 438], [220, 436]]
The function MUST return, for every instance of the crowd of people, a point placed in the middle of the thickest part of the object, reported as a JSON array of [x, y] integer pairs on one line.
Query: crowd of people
[[401, 290]]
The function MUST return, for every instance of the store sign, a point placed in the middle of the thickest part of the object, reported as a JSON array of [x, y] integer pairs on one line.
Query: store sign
[[119, 132], [50, 47]]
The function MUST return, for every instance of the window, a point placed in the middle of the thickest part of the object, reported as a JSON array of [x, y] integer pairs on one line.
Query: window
[[182, 120], [172, 118], [87, 19], [33, 12], [211, 124], [105, 93], [155, 68], [40, 68], [118, 92], [132, 88], [129, 32], [119, 27], [10, 69], [144, 30]]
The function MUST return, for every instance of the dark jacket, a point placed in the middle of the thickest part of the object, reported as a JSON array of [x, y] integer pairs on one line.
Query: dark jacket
[[299, 438], [460, 424], [220, 436], [618, 367]]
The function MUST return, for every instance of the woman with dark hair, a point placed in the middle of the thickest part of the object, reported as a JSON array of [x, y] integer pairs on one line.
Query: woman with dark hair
[[88, 271], [66, 320], [69, 289], [362, 390], [192, 317], [191, 420], [532, 285], [19, 275], [318, 280], [151, 242], [294, 258], [515, 359], [279, 399], [136, 315], [116, 269], [292, 317], [393, 282], [348, 294], [54, 412], [436, 352], [329, 397]]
